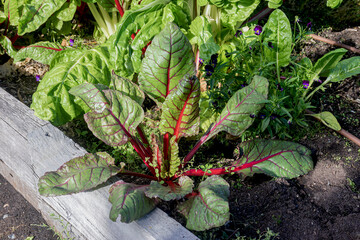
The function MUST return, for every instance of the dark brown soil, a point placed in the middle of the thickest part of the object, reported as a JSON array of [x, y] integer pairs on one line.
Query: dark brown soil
[[18, 219], [325, 204]]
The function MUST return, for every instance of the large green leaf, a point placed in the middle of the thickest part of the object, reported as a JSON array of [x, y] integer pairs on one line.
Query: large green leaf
[[210, 208], [201, 34], [128, 88], [333, 3], [179, 190], [235, 12], [67, 11], [235, 117], [274, 3], [345, 69], [42, 52], [114, 116], [37, 12], [66, 55], [275, 158], [129, 201], [6, 45], [52, 101], [328, 119], [168, 59], [13, 9], [327, 62], [142, 23], [79, 174], [277, 31], [180, 111]]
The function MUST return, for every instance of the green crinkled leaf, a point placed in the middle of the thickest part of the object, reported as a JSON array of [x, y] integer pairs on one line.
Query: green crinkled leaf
[[201, 34], [327, 62], [275, 158], [42, 52], [114, 116], [277, 30], [6, 45], [274, 3], [129, 201], [175, 160], [2, 17], [52, 100], [183, 187], [168, 59], [210, 208], [333, 3], [37, 12], [345, 69], [180, 115], [237, 12], [235, 117], [66, 55], [79, 174], [328, 119], [67, 11], [144, 21], [128, 88], [13, 8]]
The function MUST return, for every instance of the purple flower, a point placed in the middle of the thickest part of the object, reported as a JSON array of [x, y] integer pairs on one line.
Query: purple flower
[[258, 29], [209, 70], [252, 115], [305, 84], [71, 42], [250, 48], [279, 87], [289, 122], [238, 33], [201, 61], [38, 78], [273, 117], [262, 116], [309, 25], [318, 80], [270, 45], [299, 20]]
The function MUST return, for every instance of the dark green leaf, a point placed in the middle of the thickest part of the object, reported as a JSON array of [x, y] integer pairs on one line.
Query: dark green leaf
[[345, 69], [6, 45], [210, 208], [327, 62], [180, 189], [128, 88], [129, 201], [79, 174], [275, 158], [168, 59], [277, 31]]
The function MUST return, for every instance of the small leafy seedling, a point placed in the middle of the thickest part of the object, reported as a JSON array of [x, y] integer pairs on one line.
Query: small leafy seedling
[[116, 116]]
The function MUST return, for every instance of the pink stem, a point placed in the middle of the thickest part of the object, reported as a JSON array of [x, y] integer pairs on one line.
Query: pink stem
[[119, 8]]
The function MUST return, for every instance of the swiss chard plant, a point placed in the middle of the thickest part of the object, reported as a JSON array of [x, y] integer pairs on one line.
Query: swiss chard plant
[[116, 117]]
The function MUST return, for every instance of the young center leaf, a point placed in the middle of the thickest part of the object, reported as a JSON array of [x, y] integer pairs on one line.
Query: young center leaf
[[178, 190], [180, 115], [235, 117], [274, 158], [52, 100], [277, 31], [114, 116], [129, 201], [210, 207], [168, 59], [78, 174]]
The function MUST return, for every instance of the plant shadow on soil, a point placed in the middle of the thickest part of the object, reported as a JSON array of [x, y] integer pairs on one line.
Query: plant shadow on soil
[[320, 205]]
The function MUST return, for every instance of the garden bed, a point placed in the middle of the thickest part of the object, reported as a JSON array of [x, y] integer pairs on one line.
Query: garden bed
[[325, 204], [31, 146]]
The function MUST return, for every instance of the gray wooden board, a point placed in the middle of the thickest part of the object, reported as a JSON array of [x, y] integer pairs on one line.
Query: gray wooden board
[[29, 147]]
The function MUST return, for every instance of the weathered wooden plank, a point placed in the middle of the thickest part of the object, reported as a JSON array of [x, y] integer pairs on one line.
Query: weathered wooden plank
[[29, 147]]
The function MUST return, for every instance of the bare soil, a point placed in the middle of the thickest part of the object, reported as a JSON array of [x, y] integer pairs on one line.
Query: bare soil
[[324, 204]]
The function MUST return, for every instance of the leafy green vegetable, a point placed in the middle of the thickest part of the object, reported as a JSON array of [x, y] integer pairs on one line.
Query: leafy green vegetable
[[328, 119], [277, 33], [74, 177]]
